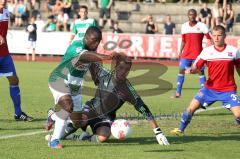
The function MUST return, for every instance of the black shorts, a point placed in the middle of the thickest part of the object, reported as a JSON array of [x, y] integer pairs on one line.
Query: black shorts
[[105, 12], [99, 122]]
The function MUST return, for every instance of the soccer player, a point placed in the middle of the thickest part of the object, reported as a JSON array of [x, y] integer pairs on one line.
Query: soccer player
[[7, 68], [65, 82], [113, 91], [81, 25], [191, 46], [220, 86]]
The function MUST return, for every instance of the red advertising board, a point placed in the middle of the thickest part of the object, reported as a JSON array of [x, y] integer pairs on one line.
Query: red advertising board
[[143, 45]]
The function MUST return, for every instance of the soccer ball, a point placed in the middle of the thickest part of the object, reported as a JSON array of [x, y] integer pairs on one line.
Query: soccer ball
[[121, 129], [30, 28]]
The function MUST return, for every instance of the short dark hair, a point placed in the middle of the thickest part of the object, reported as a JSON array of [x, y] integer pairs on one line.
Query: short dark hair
[[192, 10], [95, 31], [220, 28], [83, 6]]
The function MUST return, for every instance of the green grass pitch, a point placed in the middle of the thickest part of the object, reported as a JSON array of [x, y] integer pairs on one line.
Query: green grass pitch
[[212, 134]]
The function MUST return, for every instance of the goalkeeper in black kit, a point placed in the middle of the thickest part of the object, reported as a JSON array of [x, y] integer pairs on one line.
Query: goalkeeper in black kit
[[113, 90]]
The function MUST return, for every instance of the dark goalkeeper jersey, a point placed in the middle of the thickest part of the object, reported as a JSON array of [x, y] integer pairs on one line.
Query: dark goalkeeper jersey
[[111, 95]]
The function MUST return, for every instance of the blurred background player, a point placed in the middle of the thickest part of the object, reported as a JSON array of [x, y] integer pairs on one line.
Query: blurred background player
[[105, 9], [220, 86], [113, 91], [81, 25], [7, 68], [191, 46], [32, 38]]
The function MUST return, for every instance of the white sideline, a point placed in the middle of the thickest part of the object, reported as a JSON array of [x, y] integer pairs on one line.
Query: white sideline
[[44, 131], [23, 134]]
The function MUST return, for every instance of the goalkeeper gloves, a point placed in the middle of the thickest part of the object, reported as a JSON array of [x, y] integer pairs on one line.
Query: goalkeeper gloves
[[162, 140]]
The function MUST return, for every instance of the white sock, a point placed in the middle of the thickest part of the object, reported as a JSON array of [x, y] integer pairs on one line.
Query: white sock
[[60, 120]]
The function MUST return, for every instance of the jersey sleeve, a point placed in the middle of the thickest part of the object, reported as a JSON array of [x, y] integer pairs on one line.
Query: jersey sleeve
[[200, 61], [183, 34], [138, 103], [237, 60]]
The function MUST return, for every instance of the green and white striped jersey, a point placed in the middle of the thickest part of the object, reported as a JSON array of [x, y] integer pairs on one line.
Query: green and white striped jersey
[[80, 27]]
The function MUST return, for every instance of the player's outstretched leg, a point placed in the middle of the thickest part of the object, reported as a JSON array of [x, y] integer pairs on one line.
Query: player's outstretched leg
[[16, 98], [236, 112], [186, 118]]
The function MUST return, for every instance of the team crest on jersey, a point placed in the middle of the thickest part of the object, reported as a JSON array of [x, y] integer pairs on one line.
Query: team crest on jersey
[[230, 54]]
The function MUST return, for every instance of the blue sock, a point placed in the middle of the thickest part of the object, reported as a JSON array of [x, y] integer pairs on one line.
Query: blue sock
[[16, 98], [238, 121], [202, 80], [180, 80], [185, 120]]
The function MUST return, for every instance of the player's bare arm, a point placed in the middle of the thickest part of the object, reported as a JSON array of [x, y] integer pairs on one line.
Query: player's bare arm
[[2, 41]]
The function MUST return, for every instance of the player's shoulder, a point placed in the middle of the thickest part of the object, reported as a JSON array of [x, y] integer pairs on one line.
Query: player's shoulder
[[232, 50]]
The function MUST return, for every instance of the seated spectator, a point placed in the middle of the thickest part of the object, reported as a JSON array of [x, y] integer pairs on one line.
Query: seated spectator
[[50, 5], [58, 7], [67, 4], [116, 28], [169, 26], [51, 24], [217, 11], [20, 13], [228, 17], [11, 5], [151, 27], [205, 15], [62, 22]]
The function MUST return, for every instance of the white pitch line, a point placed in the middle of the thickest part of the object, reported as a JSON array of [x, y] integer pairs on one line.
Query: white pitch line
[[24, 134], [44, 131]]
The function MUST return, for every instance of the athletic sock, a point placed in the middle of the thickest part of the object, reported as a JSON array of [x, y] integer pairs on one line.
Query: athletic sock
[[185, 120], [202, 80], [180, 80], [60, 120], [16, 98]]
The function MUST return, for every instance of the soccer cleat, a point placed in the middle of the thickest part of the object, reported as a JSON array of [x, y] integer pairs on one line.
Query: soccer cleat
[[177, 132], [49, 122], [176, 95], [55, 144], [23, 117]]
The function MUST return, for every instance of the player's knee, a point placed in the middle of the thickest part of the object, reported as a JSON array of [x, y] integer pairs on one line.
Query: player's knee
[[66, 103], [13, 80]]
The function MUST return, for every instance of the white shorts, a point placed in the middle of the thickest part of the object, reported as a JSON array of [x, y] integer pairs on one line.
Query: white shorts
[[31, 44], [56, 94], [77, 100]]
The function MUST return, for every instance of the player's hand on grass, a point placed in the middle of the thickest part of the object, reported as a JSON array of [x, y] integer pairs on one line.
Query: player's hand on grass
[[2, 41], [161, 139]]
